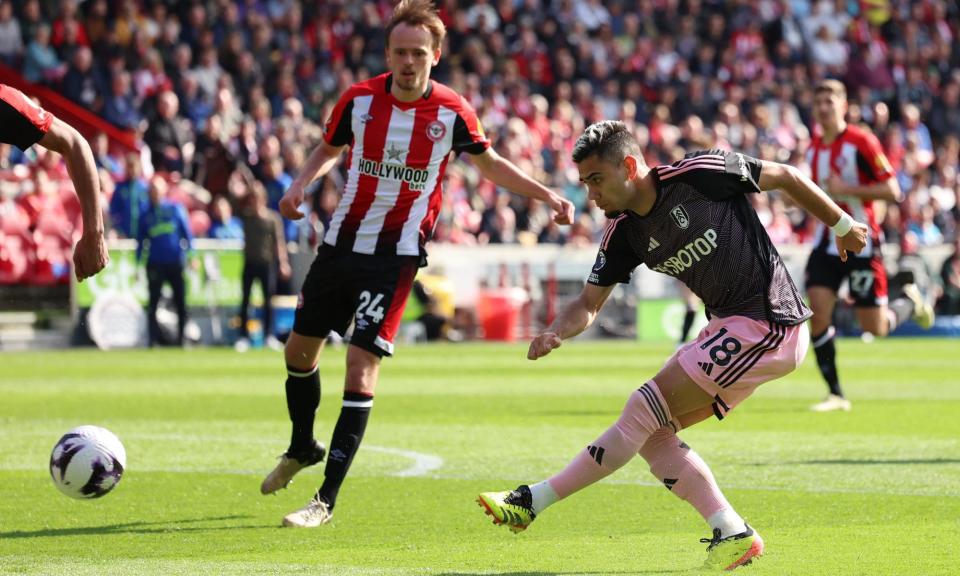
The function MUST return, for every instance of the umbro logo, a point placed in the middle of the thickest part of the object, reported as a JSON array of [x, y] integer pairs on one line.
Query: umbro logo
[[707, 367], [366, 117], [653, 244]]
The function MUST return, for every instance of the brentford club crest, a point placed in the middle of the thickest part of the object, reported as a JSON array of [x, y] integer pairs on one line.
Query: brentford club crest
[[436, 130]]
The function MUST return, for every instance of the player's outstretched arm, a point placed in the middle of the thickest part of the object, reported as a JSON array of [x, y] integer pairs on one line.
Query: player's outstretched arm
[[574, 319], [887, 190], [322, 160], [90, 254], [503, 172], [851, 235]]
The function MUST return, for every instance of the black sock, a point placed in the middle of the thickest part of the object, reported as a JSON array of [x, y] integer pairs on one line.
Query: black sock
[[823, 347], [344, 444], [687, 324], [903, 310], [303, 398]]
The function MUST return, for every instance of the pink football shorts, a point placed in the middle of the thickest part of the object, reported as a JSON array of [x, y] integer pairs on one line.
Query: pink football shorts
[[732, 356]]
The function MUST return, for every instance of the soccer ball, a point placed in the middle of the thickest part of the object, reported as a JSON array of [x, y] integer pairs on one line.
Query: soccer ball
[[87, 462]]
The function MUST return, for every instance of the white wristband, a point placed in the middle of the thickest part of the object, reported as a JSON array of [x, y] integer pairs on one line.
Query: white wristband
[[843, 226]]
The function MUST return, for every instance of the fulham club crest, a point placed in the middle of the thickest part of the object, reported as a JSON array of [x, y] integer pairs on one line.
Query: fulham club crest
[[436, 130], [680, 217]]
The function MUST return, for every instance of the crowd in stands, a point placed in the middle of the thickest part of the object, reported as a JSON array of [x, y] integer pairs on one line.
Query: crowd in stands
[[226, 92]]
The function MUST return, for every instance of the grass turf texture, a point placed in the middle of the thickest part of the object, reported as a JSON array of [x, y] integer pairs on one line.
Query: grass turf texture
[[874, 491]]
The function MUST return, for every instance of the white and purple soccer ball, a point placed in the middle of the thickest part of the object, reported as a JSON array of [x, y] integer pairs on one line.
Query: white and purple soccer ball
[[87, 462]]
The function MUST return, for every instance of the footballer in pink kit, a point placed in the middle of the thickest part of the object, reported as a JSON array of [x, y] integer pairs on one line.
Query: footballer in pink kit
[[690, 220]]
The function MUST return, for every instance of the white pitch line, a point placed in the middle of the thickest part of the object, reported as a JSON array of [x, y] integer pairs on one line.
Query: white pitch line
[[422, 463]]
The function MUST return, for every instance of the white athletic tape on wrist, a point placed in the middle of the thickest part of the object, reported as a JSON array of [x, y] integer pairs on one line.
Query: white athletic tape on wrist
[[843, 226]]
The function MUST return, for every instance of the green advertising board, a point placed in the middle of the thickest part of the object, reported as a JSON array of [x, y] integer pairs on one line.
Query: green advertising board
[[214, 281], [660, 320]]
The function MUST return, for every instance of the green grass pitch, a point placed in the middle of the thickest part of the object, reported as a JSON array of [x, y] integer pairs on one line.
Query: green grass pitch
[[873, 491]]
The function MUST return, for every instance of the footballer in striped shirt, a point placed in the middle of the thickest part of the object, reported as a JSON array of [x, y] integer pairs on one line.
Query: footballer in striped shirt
[[399, 130]]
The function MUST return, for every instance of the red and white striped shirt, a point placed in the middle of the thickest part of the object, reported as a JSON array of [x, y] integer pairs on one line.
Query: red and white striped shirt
[[398, 153], [857, 157]]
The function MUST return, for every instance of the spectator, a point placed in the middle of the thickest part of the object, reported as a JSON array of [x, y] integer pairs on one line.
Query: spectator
[[167, 136], [264, 256], [927, 232], [276, 182], [11, 40], [945, 116], [81, 83], [120, 107], [224, 225], [103, 158], [130, 200], [196, 105], [40, 63], [687, 73]]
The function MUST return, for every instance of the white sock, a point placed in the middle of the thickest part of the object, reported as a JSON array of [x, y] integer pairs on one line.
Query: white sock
[[543, 495], [728, 521]]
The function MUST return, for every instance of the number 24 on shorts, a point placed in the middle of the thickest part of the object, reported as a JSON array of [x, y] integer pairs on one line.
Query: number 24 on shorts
[[725, 350], [370, 306]]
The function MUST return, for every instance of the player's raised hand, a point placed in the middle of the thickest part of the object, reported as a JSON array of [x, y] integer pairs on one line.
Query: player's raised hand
[[854, 241], [543, 345], [563, 210], [291, 201], [90, 255]]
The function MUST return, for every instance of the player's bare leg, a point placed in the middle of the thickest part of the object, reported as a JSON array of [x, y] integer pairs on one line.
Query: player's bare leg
[[881, 320], [822, 336], [303, 399], [363, 371], [688, 477], [645, 427], [733, 543]]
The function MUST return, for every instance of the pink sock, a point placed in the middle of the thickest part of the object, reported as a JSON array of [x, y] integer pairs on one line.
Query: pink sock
[[644, 413], [683, 472]]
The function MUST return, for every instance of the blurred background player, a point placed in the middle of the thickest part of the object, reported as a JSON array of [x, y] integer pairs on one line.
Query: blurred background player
[[690, 305], [692, 221], [401, 127], [949, 301], [850, 165], [264, 257], [23, 123], [164, 231]]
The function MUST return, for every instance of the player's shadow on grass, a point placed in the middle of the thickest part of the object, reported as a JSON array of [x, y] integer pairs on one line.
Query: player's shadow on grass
[[871, 461], [577, 573], [577, 413], [864, 462], [159, 527]]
